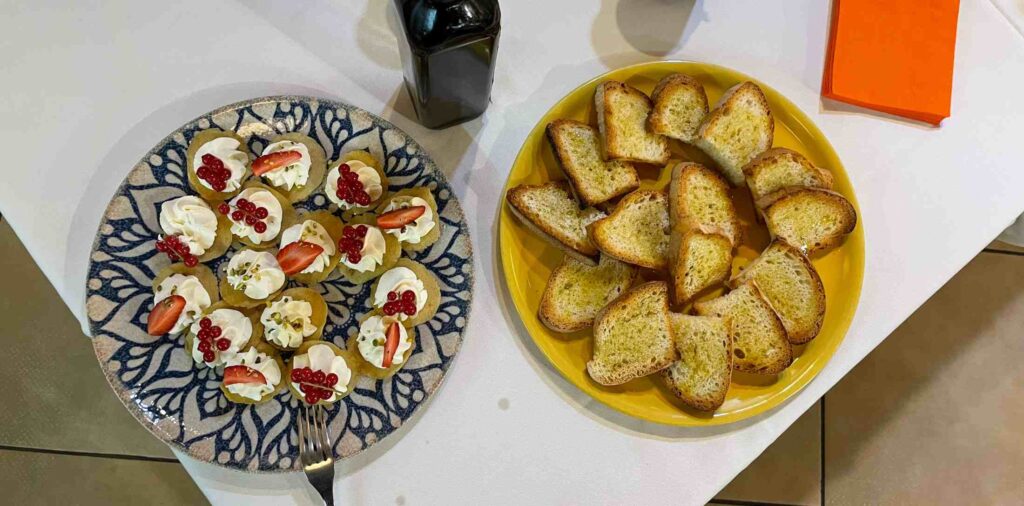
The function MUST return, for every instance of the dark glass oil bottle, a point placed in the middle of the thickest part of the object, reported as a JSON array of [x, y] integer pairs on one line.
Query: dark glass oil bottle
[[448, 52]]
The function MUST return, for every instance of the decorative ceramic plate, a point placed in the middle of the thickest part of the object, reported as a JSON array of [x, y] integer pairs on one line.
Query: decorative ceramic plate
[[181, 403], [529, 260]]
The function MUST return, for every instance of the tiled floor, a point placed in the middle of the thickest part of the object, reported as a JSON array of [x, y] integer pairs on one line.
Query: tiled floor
[[930, 417]]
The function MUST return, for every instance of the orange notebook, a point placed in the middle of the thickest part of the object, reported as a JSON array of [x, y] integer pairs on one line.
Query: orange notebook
[[894, 56]]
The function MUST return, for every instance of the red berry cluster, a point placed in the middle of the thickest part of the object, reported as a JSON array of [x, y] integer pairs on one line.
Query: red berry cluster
[[404, 304], [246, 212], [175, 249], [350, 188], [351, 243], [209, 337], [213, 171], [316, 386]]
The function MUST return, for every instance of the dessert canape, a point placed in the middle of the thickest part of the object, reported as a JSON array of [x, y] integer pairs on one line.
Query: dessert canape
[[257, 215], [408, 292], [295, 316], [180, 294], [252, 278], [293, 164], [220, 333], [356, 182], [366, 251], [411, 216], [321, 229], [217, 164], [253, 376], [320, 372], [384, 345], [193, 232]]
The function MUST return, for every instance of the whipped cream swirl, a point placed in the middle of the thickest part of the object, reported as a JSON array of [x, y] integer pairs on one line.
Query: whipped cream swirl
[[312, 232], [192, 220], [255, 273], [197, 299], [321, 357], [373, 337], [258, 361], [234, 326], [414, 232], [367, 175], [293, 174], [288, 321], [226, 150], [399, 280]]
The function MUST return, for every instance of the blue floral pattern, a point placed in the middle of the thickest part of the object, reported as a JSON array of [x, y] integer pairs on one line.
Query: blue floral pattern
[[181, 403]]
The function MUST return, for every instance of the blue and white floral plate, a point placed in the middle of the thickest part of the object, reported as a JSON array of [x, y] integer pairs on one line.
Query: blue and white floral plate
[[182, 404]]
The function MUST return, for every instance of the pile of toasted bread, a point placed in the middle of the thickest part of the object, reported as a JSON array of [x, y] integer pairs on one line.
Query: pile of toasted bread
[[682, 239]]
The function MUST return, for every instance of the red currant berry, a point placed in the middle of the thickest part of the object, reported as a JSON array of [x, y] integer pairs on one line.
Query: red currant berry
[[219, 185], [303, 388], [319, 377], [262, 213], [409, 310], [223, 344], [343, 168], [209, 356], [205, 323], [223, 174], [250, 220], [408, 296], [363, 198], [224, 208], [345, 194], [241, 203], [203, 334], [389, 309], [311, 398], [295, 375], [331, 379], [191, 261], [172, 255], [355, 257], [350, 176], [161, 246], [238, 215], [209, 159], [392, 295], [203, 172], [215, 331], [260, 227], [204, 346]]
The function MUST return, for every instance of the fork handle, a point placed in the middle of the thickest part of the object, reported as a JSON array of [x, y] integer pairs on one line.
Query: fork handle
[[328, 494]]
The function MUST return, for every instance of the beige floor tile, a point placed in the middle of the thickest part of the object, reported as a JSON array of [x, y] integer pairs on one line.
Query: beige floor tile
[[54, 394], [1002, 246], [31, 478], [789, 471], [933, 416]]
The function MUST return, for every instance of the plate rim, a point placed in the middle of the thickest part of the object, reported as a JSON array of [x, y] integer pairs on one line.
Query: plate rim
[[123, 394], [776, 399]]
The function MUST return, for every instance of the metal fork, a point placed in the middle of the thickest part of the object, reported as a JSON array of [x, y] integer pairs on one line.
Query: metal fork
[[315, 452]]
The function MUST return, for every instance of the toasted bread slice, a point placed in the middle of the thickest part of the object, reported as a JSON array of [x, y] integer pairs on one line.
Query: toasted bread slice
[[680, 104], [759, 343], [576, 292], [701, 377], [700, 262], [550, 211], [700, 199], [632, 337], [636, 232], [578, 150], [790, 284], [739, 128], [622, 112], [809, 219], [780, 168]]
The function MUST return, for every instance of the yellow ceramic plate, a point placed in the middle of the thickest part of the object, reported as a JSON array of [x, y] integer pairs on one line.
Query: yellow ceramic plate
[[528, 260]]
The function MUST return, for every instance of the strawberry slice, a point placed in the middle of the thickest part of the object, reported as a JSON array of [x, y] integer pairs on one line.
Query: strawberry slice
[[391, 344], [297, 256], [273, 161], [240, 374], [164, 315], [400, 217]]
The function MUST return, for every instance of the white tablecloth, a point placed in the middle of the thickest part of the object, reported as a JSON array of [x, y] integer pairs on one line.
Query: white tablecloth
[[89, 87]]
